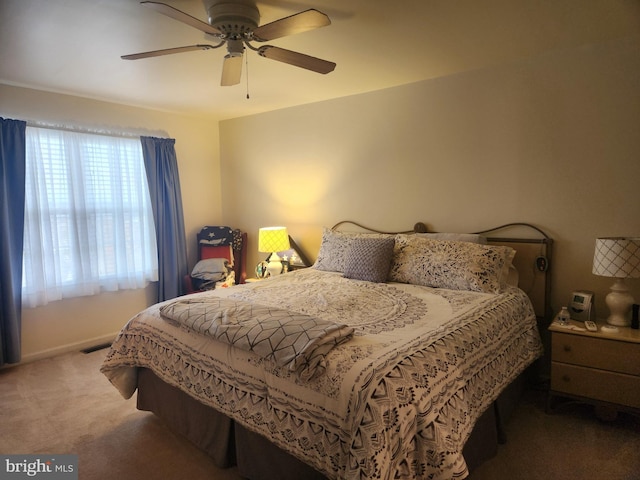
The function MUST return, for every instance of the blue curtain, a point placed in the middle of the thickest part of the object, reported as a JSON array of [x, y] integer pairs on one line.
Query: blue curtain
[[166, 199], [12, 172]]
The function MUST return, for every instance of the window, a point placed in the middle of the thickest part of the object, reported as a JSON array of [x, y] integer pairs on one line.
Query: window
[[88, 219]]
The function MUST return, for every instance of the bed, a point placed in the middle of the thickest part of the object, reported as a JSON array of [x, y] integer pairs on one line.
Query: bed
[[392, 357]]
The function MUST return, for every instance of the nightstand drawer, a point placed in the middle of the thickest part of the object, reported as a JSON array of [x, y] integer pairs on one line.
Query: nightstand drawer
[[600, 353], [597, 384]]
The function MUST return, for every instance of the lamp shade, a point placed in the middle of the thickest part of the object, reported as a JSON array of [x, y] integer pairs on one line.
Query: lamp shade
[[617, 257], [273, 239]]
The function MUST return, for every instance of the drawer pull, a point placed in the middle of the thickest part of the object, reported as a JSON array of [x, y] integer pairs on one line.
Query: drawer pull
[[566, 378], [567, 348]]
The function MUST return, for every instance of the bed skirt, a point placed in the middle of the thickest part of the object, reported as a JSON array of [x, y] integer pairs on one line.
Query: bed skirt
[[228, 443]]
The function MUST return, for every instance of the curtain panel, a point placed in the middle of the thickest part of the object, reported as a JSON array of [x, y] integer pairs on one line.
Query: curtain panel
[[12, 195], [89, 224], [166, 199]]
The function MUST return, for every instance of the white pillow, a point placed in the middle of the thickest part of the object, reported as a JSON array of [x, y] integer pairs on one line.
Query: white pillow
[[513, 277]]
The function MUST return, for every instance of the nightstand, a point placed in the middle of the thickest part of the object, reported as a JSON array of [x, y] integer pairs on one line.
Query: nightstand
[[596, 367]]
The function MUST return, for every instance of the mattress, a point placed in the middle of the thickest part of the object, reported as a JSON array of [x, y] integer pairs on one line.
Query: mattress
[[397, 400]]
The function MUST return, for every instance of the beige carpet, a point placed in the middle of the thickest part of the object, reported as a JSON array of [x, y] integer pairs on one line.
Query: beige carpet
[[64, 405]]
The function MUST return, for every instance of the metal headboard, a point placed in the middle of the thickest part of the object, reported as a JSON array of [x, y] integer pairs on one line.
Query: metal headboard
[[533, 258]]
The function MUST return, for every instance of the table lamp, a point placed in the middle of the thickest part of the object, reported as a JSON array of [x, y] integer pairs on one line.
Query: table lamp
[[618, 257], [273, 240]]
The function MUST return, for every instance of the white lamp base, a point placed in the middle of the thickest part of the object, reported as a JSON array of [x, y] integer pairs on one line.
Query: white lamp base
[[275, 265], [619, 301]]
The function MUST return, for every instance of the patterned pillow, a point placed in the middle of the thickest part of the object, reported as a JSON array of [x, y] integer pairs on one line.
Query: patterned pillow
[[509, 275], [449, 264], [334, 248], [369, 259]]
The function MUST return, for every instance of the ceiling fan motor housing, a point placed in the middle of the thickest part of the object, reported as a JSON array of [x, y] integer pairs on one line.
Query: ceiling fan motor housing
[[233, 19]]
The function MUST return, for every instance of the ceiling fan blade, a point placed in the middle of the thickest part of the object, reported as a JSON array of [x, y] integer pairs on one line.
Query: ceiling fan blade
[[231, 70], [176, 14], [166, 51], [297, 23], [298, 59]]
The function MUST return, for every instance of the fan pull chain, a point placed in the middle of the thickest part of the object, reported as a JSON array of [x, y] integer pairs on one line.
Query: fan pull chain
[[246, 61]]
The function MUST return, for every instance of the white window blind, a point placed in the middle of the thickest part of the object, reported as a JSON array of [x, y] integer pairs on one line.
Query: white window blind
[[88, 219]]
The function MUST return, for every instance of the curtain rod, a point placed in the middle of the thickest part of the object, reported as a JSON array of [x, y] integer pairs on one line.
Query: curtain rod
[[94, 131]]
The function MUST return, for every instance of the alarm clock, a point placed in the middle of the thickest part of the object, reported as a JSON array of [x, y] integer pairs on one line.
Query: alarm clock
[[581, 306]]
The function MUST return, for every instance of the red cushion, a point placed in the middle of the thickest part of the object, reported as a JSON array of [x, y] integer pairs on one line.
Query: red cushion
[[221, 251]]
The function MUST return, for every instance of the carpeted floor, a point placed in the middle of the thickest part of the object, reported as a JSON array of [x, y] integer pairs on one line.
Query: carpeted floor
[[64, 405]]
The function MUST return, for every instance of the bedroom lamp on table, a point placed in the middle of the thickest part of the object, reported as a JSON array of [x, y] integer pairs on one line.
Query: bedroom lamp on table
[[618, 257], [272, 240]]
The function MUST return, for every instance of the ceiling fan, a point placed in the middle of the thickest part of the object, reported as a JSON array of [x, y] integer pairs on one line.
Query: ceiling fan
[[235, 24]]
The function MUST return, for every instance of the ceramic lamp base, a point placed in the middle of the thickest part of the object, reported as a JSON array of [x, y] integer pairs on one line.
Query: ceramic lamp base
[[274, 267], [619, 301]]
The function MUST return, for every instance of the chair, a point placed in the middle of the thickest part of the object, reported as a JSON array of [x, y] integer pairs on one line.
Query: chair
[[218, 242]]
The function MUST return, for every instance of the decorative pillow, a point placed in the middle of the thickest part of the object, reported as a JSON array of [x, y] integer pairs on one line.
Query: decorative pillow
[[369, 259], [334, 248], [509, 273], [456, 237], [450, 264]]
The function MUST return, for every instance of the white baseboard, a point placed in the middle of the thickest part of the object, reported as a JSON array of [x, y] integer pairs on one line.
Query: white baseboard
[[71, 347]]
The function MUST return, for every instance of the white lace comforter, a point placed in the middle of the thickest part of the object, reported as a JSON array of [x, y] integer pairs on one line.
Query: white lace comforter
[[397, 401]]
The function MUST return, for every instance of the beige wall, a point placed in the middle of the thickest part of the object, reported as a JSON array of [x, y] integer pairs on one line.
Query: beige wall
[[551, 140], [86, 321]]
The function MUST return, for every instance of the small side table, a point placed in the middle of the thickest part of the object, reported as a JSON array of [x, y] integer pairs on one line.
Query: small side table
[[601, 368]]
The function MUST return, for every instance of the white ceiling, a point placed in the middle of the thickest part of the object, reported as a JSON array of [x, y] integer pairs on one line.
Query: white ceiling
[[74, 46]]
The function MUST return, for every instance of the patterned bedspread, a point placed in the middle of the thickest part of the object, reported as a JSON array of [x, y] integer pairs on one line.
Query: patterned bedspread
[[397, 401]]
